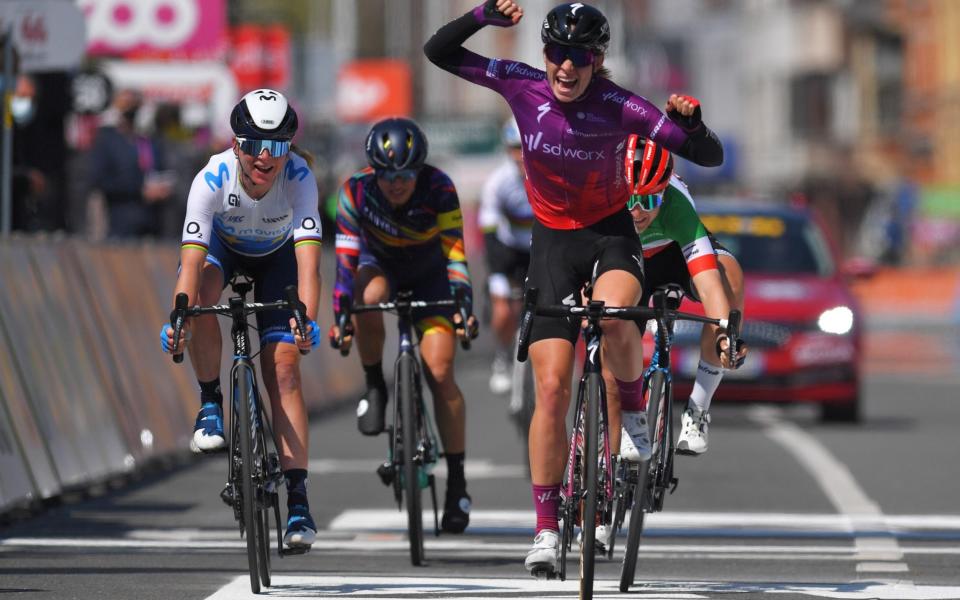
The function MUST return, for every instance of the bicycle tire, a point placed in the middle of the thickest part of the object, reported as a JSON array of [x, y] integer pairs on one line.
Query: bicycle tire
[[628, 568], [243, 390], [264, 506], [411, 471], [658, 416], [590, 463], [263, 536]]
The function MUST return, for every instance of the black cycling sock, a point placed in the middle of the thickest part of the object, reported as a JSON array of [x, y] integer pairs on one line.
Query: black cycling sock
[[210, 392], [456, 482], [374, 375], [296, 487]]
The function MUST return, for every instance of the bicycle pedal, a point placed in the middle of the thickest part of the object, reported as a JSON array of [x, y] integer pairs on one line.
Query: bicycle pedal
[[674, 482], [226, 494], [544, 572], [386, 473], [294, 551]]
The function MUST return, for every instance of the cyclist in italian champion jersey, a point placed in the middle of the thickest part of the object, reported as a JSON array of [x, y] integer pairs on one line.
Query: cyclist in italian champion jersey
[[399, 227], [574, 120], [679, 249], [254, 208], [506, 220]]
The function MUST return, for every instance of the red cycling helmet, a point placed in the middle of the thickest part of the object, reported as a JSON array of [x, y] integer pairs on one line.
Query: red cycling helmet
[[649, 166]]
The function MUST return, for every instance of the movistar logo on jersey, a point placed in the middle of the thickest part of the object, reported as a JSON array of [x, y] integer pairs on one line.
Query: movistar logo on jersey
[[522, 70], [216, 181], [295, 172], [626, 101]]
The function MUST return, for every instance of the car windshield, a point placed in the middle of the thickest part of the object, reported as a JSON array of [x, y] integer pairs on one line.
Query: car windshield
[[772, 244]]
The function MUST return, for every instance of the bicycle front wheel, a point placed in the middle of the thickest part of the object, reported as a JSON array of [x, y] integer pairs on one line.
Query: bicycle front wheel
[[243, 401], [409, 409], [629, 567], [589, 468]]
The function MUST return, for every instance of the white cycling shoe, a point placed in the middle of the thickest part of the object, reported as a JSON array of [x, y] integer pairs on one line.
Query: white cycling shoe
[[634, 436], [601, 539], [500, 378], [542, 557], [693, 432]]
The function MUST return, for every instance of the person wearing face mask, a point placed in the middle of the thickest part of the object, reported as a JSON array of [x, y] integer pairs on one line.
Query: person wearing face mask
[[254, 207], [399, 227], [573, 119], [38, 106], [122, 163]]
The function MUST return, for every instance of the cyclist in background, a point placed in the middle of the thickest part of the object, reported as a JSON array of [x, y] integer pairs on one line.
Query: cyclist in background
[[573, 121], [505, 219], [254, 208], [399, 227], [679, 249]]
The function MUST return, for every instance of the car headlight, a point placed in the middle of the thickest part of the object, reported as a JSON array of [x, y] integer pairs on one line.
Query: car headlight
[[838, 320]]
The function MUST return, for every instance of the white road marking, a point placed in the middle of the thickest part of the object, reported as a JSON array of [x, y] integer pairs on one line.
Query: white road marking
[[358, 587], [475, 468], [840, 487]]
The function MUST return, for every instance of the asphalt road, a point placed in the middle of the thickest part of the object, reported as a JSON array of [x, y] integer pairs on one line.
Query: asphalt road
[[781, 506]]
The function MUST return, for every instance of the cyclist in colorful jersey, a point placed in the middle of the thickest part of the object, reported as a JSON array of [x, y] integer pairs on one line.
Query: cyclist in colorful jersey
[[253, 208], [399, 227], [573, 121], [506, 220], [679, 249]]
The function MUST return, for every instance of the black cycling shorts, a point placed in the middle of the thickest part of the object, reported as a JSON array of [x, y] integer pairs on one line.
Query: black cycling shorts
[[506, 260], [669, 266], [563, 261]]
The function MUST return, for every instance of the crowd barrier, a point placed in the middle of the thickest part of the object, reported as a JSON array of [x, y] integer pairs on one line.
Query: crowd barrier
[[85, 393]]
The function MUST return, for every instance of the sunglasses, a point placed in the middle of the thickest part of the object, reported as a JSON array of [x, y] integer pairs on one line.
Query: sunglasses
[[275, 148], [646, 202], [580, 57], [404, 175]]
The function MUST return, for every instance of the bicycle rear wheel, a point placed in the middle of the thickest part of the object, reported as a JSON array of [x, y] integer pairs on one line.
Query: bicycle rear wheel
[[629, 567], [589, 467], [243, 390], [408, 399]]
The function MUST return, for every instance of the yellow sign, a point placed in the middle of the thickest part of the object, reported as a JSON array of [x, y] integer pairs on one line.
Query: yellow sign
[[745, 225]]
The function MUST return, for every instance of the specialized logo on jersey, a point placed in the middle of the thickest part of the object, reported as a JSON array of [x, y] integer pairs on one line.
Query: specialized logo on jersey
[[543, 110], [626, 101], [216, 181], [291, 171]]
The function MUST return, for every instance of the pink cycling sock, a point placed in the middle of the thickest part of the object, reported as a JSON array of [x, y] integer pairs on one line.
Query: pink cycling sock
[[631, 395], [546, 501]]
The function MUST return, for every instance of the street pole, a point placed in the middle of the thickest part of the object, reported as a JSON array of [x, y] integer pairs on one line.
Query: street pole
[[6, 157]]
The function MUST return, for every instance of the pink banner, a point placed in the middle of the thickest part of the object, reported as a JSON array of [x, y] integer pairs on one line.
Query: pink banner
[[192, 29]]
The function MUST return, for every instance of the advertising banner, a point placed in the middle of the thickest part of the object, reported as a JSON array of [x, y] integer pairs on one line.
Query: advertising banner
[[370, 90], [49, 34]]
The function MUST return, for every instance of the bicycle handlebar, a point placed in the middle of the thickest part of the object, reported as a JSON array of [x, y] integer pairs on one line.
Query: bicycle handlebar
[[299, 309], [598, 311], [457, 302], [181, 312]]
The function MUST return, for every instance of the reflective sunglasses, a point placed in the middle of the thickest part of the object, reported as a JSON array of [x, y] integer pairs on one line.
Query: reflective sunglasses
[[275, 148], [403, 175], [646, 202], [580, 57]]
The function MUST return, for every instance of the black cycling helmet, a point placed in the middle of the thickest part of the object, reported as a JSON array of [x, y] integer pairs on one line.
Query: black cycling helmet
[[576, 24], [264, 115], [396, 144]]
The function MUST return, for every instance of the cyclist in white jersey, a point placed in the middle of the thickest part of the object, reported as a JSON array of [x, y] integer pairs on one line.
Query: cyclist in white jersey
[[506, 219], [254, 208]]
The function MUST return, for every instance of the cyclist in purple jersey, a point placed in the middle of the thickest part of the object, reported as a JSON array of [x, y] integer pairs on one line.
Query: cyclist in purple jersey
[[574, 121]]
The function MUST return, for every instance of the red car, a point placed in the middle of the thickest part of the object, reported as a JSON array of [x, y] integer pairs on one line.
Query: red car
[[801, 321]]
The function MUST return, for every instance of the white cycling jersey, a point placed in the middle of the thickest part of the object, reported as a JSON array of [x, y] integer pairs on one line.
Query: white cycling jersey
[[219, 205], [504, 207]]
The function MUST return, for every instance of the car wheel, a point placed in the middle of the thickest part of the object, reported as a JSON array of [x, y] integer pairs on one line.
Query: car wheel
[[841, 412]]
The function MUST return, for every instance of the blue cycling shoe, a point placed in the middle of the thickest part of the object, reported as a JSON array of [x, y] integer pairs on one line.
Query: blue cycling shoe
[[301, 530], [208, 432]]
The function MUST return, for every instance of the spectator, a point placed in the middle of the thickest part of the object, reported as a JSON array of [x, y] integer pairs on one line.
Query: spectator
[[128, 169]]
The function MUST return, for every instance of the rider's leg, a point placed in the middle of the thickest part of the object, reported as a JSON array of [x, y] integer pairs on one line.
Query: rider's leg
[[204, 350], [503, 320], [371, 287], [613, 408], [280, 365], [437, 349]]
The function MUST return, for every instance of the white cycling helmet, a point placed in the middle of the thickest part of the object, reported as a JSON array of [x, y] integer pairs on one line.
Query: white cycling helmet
[[264, 114], [511, 134]]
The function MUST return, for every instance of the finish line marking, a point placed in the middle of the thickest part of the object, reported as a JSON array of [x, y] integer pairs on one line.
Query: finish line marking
[[376, 588]]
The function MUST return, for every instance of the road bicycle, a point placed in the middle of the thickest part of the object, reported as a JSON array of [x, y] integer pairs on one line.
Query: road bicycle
[[643, 486], [254, 475], [588, 491], [412, 450]]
